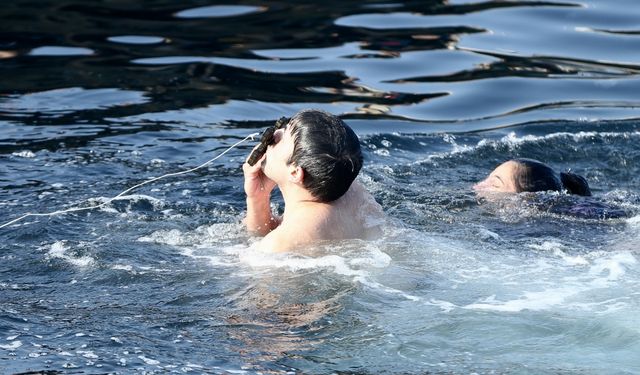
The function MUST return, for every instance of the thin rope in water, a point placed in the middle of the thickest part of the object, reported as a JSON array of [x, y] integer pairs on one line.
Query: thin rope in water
[[76, 209]]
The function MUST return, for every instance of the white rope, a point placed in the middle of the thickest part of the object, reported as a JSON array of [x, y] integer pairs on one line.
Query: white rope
[[76, 209]]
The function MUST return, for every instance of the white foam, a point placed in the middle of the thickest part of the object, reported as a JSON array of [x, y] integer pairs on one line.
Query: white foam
[[12, 345], [170, 237], [58, 250], [203, 236], [534, 301], [376, 258], [573, 260], [149, 361], [486, 234], [123, 267], [156, 203], [634, 222], [513, 141], [44, 194], [559, 250], [456, 149], [382, 152], [24, 154], [377, 286], [563, 292], [213, 259], [295, 263], [235, 371], [217, 244], [358, 265], [615, 267], [446, 306], [547, 246], [88, 354]]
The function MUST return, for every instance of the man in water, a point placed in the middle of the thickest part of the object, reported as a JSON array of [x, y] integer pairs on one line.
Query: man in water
[[314, 161]]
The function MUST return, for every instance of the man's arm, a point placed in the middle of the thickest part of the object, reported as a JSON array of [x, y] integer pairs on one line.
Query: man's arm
[[258, 188], [260, 219]]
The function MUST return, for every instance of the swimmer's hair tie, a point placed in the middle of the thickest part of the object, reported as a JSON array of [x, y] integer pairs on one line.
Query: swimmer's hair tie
[[575, 184], [266, 140]]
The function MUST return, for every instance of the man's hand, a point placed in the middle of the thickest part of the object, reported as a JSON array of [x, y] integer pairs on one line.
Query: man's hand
[[258, 188], [256, 184]]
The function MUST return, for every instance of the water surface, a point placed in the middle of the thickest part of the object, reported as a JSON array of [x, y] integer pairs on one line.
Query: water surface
[[98, 97]]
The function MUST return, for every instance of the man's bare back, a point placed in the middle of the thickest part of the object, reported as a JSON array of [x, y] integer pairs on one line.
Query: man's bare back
[[354, 215]]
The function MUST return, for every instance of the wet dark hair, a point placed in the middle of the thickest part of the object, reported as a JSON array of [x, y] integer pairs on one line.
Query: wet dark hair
[[327, 150], [532, 175]]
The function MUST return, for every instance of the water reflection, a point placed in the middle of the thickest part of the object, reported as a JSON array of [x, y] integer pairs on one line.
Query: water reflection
[[391, 60], [136, 39], [216, 11], [60, 51], [270, 329], [70, 99]]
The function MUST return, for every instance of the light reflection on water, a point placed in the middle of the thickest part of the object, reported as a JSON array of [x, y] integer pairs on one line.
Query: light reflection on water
[[166, 280]]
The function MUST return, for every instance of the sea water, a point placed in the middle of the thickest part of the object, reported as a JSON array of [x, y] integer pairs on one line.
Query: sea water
[[97, 98]]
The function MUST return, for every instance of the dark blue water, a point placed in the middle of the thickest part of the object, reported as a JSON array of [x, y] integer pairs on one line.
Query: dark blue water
[[96, 97]]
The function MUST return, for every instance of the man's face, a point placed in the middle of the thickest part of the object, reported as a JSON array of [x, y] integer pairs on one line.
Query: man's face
[[278, 153]]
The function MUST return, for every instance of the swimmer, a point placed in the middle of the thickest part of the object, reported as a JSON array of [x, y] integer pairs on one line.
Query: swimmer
[[313, 160], [528, 175]]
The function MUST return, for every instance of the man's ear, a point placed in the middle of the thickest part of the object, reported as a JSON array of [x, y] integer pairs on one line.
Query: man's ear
[[296, 174]]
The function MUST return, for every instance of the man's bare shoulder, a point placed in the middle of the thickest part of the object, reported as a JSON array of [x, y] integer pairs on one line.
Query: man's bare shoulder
[[279, 240], [360, 200]]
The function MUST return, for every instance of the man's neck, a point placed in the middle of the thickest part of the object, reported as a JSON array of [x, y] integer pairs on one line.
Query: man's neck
[[298, 198]]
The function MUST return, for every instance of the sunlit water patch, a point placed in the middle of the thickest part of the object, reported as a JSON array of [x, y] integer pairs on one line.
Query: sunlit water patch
[[215, 11], [60, 51], [70, 100], [136, 39]]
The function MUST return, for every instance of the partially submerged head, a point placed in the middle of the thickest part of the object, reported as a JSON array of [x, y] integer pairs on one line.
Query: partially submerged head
[[528, 175], [319, 148]]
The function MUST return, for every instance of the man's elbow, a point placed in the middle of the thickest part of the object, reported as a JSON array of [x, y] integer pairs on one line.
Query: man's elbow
[[260, 229]]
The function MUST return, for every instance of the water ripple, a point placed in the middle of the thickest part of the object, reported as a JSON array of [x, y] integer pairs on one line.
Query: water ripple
[[98, 97]]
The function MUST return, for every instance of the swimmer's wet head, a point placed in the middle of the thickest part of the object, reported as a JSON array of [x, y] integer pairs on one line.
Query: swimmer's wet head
[[266, 140], [528, 175]]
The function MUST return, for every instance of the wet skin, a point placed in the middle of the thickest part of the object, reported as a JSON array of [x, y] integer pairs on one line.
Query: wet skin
[[500, 180]]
